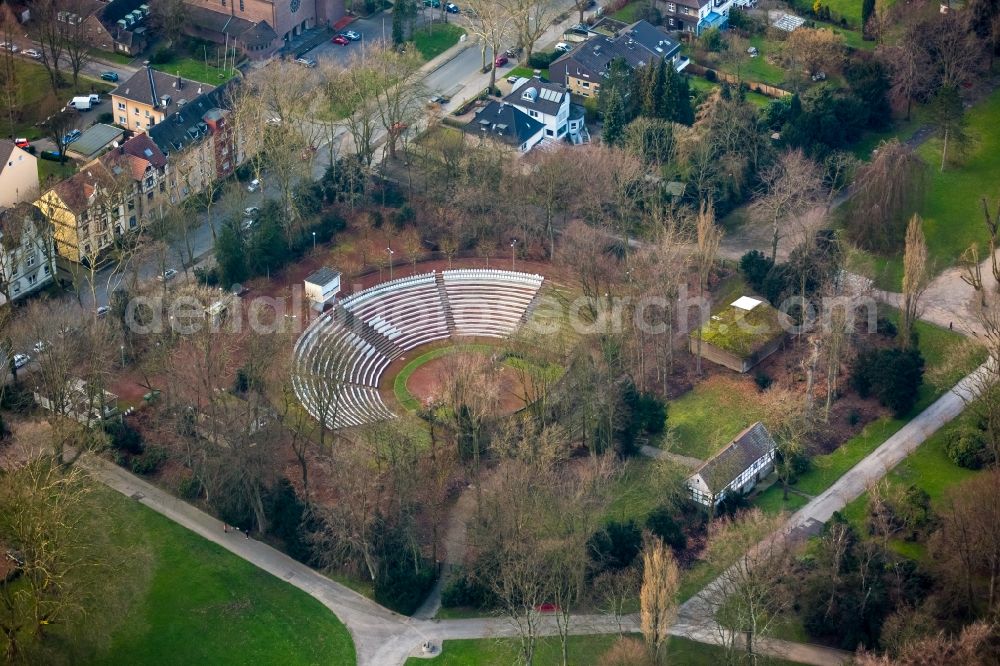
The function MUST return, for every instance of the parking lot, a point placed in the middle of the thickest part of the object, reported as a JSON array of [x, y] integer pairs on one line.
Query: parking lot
[[373, 30]]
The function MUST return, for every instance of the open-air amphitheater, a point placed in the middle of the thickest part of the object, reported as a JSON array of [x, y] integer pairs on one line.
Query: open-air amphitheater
[[341, 357]]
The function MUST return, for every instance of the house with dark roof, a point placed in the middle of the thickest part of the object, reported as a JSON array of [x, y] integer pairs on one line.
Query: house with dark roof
[[255, 39], [549, 103], [141, 160], [695, 16], [735, 469], [200, 143], [508, 125], [119, 26], [149, 96], [583, 69]]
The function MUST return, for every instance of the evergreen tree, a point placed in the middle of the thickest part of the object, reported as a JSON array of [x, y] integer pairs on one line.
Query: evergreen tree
[[659, 89], [230, 256], [614, 119], [398, 19], [648, 95], [867, 9], [269, 247]]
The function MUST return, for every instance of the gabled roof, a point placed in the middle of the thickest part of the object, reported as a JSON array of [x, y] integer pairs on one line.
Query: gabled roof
[[186, 125], [6, 150], [538, 94], [148, 86], [504, 123], [250, 33], [747, 448], [136, 155], [323, 276], [94, 139], [640, 44], [75, 191]]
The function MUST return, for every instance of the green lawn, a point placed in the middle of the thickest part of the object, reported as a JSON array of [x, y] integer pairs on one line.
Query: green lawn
[[628, 13], [710, 415], [527, 72], [111, 56], [54, 171], [436, 38], [636, 493], [205, 605], [582, 650], [698, 84], [196, 70], [952, 212]]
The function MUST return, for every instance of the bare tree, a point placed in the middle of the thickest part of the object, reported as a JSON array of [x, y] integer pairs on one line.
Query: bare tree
[[916, 277], [493, 23], [531, 19], [75, 36], [886, 191], [48, 30], [789, 188], [398, 92]]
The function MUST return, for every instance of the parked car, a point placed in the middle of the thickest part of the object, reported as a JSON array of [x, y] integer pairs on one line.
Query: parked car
[[753, 51], [39, 346], [102, 311], [352, 35], [307, 62], [512, 79], [168, 274], [32, 53], [512, 52], [500, 60], [819, 76], [251, 211], [71, 136], [253, 185], [451, 8], [109, 76], [10, 46], [432, 3], [563, 47], [22, 143], [340, 39], [21, 360]]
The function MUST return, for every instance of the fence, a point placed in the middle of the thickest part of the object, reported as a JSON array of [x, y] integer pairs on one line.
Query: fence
[[726, 77]]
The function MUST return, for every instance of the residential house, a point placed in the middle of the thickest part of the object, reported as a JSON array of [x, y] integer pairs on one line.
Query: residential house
[[119, 26], [80, 400], [583, 69], [200, 143], [150, 95], [88, 211], [549, 103], [695, 16], [18, 175], [259, 27], [141, 159], [506, 124], [26, 259], [736, 469]]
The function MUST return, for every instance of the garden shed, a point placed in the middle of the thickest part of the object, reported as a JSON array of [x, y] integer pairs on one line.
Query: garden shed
[[741, 335]]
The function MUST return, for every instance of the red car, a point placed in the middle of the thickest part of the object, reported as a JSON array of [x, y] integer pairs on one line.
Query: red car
[[500, 61], [340, 39], [21, 143]]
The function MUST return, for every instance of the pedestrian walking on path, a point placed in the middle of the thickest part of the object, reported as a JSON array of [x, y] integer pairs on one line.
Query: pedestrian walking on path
[[247, 533], [225, 527]]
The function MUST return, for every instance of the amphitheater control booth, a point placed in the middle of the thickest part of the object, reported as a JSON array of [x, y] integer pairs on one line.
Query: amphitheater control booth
[[322, 287]]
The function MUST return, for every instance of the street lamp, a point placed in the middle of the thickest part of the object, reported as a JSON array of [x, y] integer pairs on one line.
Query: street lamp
[[314, 241], [389, 250], [512, 244], [123, 355]]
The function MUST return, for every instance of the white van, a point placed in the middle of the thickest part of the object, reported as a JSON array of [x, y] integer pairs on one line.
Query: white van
[[79, 103]]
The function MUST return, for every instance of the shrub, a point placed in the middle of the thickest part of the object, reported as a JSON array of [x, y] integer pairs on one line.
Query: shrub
[[208, 277], [124, 437], [403, 577], [662, 523], [107, 118], [886, 327], [286, 513], [161, 55], [465, 591], [615, 546], [894, 376], [969, 450], [17, 398], [190, 488], [711, 76], [150, 461], [763, 380], [542, 59]]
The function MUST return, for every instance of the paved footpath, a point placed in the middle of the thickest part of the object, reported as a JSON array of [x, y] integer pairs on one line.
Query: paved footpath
[[382, 637]]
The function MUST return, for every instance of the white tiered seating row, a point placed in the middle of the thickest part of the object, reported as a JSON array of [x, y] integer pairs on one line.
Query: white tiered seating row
[[340, 358]]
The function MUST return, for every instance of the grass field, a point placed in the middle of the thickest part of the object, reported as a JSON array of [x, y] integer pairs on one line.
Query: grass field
[[54, 171], [205, 605], [437, 38], [196, 70], [526, 72], [179, 599], [36, 100], [952, 212], [582, 650], [707, 417], [699, 84]]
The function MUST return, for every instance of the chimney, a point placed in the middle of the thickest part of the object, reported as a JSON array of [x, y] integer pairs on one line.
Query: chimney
[[199, 90]]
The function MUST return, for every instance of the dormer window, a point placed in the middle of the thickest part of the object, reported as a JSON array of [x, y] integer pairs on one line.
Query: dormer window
[[529, 95]]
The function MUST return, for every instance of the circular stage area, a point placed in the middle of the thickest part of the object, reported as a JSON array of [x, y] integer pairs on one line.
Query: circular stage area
[[340, 358]]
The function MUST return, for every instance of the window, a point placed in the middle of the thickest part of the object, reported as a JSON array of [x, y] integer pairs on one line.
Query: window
[[585, 84], [46, 270], [548, 132], [163, 187], [122, 120], [121, 106], [30, 261], [138, 124], [149, 182], [671, 7], [32, 279], [131, 222], [242, 8], [135, 111], [149, 195], [147, 113], [17, 287]]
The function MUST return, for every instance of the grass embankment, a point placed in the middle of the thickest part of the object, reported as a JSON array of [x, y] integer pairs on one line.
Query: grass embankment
[[436, 38], [184, 600], [35, 100], [951, 208], [582, 650], [939, 347]]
